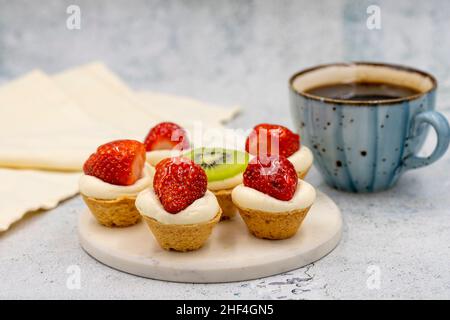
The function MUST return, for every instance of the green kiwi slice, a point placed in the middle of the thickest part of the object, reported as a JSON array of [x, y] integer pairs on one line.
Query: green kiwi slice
[[218, 163]]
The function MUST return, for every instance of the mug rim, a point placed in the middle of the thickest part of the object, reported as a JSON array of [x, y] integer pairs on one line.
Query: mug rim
[[362, 102]]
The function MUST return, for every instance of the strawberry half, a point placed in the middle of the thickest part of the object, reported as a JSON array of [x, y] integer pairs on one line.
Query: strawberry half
[[272, 139], [178, 182], [118, 162], [272, 175], [166, 136]]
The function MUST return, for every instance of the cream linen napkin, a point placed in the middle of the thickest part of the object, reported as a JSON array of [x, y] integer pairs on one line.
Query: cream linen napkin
[[30, 190], [104, 96]]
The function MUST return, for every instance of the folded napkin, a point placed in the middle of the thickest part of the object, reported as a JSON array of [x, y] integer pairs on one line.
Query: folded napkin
[[31, 190], [104, 97], [54, 123]]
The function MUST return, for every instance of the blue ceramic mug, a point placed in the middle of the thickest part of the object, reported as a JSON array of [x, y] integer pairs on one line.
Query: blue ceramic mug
[[364, 146]]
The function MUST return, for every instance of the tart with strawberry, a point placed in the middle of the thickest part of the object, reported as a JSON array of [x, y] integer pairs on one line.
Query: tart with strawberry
[[272, 139], [179, 210], [165, 140], [272, 200], [113, 177]]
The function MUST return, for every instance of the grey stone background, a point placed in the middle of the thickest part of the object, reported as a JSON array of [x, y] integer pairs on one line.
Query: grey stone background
[[241, 52]]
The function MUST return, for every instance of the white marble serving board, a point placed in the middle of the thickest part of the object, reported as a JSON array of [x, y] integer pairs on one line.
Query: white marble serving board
[[231, 253]]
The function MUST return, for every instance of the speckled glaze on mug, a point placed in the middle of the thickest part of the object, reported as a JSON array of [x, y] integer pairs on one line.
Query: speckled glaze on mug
[[365, 146]]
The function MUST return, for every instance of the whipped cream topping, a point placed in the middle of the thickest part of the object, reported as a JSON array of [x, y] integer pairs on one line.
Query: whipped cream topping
[[96, 188], [302, 159], [155, 156], [226, 183], [249, 198], [201, 210]]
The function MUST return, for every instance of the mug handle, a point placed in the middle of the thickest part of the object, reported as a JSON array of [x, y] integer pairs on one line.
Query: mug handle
[[442, 128]]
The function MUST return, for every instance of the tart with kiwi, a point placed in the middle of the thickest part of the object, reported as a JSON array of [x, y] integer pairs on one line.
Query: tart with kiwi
[[224, 169]]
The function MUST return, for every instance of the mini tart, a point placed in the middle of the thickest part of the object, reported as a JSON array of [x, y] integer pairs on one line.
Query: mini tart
[[222, 190], [177, 233], [111, 205], [270, 218], [227, 175], [302, 160]]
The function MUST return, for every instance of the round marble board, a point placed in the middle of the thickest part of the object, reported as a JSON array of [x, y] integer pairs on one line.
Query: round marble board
[[231, 253]]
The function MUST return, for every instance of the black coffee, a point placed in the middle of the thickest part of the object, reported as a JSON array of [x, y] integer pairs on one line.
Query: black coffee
[[362, 91]]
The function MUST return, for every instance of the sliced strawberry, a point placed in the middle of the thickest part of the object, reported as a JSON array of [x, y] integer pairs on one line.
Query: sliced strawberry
[[166, 136], [272, 175], [271, 139], [178, 182], [119, 162]]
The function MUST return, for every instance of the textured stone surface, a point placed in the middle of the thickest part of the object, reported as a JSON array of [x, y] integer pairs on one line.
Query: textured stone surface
[[229, 52]]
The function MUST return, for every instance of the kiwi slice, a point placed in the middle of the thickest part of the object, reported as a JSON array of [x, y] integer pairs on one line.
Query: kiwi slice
[[218, 163]]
